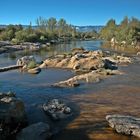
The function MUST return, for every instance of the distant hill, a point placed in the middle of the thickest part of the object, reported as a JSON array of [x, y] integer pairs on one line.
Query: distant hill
[[24, 26], [78, 28], [88, 28]]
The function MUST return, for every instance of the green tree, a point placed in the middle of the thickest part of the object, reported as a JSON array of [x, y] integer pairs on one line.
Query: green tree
[[109, 31], [51, 24], [62, 27]]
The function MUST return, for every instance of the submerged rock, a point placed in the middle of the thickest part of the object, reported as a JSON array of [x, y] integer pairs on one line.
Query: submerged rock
[[12, 115], [11, 109], [127, 125], [90, 77], [37, 131], [57, 109]]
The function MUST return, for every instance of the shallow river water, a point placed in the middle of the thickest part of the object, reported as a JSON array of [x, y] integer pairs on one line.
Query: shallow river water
[[90, 102]]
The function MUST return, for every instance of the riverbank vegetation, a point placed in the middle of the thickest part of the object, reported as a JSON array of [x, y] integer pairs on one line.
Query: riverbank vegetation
[[127, 33], [46, 30], [51, 30]]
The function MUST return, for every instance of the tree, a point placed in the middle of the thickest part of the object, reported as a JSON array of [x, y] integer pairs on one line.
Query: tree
[[41, 23], [109, 31], [62, 27], [51, 24]]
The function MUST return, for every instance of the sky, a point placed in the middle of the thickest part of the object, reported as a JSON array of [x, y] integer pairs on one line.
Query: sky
[[76, 12]]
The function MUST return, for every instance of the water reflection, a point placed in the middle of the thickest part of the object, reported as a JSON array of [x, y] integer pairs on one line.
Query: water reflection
[[117, 94], [119, 49], [42, 54]]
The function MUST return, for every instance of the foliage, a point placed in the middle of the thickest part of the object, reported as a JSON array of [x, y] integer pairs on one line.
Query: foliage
[[31, 65], [46, 30], [127, 31]]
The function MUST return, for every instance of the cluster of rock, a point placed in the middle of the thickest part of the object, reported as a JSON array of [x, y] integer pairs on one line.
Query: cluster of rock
[[6, 46], [86, 60], [92, 66], [57, 109], [90, 77], [12, 114], [25, 61], [13, 120], [127, 125]]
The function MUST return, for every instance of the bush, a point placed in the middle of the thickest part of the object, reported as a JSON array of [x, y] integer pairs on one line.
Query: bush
[[31, 65], [15, 41]]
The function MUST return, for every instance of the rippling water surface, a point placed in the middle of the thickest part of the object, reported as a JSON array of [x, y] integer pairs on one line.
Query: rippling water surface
[[90, 102]]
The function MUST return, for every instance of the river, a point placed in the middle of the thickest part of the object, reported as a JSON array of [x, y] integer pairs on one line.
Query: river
[[90, 102]]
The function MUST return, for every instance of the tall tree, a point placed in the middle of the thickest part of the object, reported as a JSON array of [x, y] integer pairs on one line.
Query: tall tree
[[62, 27], [51, 24]]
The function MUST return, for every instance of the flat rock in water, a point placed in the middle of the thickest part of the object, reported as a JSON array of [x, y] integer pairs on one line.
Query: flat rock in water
[[127, 125], [34, 70]]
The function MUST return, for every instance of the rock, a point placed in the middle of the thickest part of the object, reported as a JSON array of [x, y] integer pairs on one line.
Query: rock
[[35, 70], [12, 115], [127, 125], [89, 61], [37, 131], [57, 109], [110, 65], [113, 41], [43, 65], [68, 83], [90, 77], [25, 60], [138, 53], [78, 50], [118, 59], [11, 109], [8, 94], [123, 59], [76, 66]]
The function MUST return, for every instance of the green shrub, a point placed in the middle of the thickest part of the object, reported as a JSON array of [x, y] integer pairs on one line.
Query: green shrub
[[31, 65], [15, 41]]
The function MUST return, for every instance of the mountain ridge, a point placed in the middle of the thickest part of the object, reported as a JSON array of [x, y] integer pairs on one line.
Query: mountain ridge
[[86, 28]]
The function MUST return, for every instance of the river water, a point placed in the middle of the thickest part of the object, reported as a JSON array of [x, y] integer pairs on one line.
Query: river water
[[90, 102]]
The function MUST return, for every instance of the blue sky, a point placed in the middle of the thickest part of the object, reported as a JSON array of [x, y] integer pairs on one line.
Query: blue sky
[[76, 12]]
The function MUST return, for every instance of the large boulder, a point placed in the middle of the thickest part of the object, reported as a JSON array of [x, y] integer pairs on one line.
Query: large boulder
[[11, 109], [37, 131], [12, 115], [57, 109], [127, 125]]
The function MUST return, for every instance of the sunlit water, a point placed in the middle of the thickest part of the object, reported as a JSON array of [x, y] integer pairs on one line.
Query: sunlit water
[[90, 102]]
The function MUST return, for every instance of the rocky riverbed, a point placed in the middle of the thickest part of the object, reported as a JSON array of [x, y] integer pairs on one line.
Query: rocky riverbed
[[90, 66], [8, 47], [117, 94]]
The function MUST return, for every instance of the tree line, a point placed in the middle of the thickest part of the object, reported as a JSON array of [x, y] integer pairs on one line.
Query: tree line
[[44, 31], [127, 32]]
